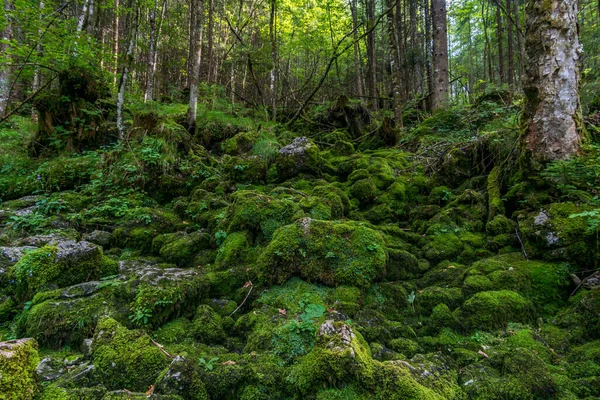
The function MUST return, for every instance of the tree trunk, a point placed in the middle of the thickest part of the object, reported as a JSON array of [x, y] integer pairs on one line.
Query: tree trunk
[[357, 73], [7, 35], [394, 64], [212, 73], [192, 42], [551, 81], [125, 74], [273, 72], [440, 54], [116, 42], [511, 53], [499, 35], [429, 55], [372, 62], [149, 94], [37, 73], [195, 78]]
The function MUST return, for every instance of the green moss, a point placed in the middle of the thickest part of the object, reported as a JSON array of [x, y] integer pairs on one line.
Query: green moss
[[394, 382], [183, 379], [180, 248], [173, 331], [259, 213], [441, 317], [440, 195], [446, 246], [251, 170], [331, 253], [124, 358], [45, 267], [304, 158], [491, 310], [404, 346], [431, 296], [55, 321], [364, 191], [580, 318], [347, 393], [500, 225], [18, 361], [495, 205], [340, 356], [234, 251], [207, 325]]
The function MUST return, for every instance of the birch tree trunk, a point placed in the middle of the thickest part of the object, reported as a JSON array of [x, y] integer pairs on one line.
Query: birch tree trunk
[[37, 73], [357, 74], [440, 54], [195, 78], [125, 74], [149, 93], [551, 81], [5, 69], [273, 73]]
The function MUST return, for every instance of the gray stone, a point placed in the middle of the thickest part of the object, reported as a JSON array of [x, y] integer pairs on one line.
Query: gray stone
[[49, 369], [100, 238]]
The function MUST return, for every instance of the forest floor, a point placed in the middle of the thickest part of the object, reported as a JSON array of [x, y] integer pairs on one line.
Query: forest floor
[[340, 259]]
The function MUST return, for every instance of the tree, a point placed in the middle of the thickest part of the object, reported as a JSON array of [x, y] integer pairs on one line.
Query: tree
[[439, 95], [7, 34], [196, 61], [552, 80]]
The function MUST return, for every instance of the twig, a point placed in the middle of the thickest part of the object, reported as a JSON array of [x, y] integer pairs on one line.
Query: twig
[[520, 241], [245, 298], [160, 346]]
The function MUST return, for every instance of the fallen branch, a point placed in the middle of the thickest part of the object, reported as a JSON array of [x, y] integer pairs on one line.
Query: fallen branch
[[245, 298], [161, 348]]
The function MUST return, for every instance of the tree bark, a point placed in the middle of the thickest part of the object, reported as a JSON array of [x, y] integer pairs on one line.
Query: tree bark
[[394, 64], [7, 35], [357, 73], [149, 93], [195, 78], [499, 36], [429, 55], [551, 83], [510, 46], [372, 62], [125, 74], [440, 55], [273, 72]]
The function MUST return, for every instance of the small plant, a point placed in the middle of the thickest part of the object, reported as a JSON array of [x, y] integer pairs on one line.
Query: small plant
[[411, 300], [141, 316], [220, 237], [208, 365]]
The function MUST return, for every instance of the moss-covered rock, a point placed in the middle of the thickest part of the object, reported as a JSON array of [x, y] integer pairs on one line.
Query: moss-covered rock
[[182, 378], [60, 265], [180, 248], [332, 253], [394, 381], [340, 356], [364, 191], [301, 156], [234, 251], [494, 309], [18, 361], [207, 325], [124, 358]]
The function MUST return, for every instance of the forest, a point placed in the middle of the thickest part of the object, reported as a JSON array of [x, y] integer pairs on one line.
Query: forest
[[300, 199]]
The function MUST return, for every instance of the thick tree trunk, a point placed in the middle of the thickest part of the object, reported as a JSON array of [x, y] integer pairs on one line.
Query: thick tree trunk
[[551, 81], [116, 42], [5, 69], [195, 78], [429, 55], [440, 54], [37, 73]]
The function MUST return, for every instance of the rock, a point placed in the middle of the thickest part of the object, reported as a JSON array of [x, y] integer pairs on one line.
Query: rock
[[148, 272], [49, 369], [101, 238], [301, 156], [181, 378], [18, 361]]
